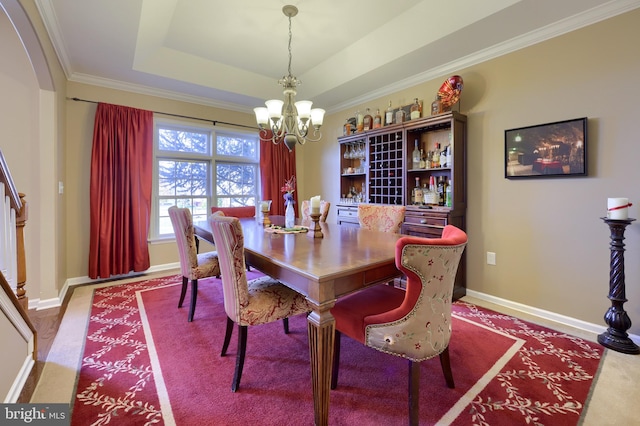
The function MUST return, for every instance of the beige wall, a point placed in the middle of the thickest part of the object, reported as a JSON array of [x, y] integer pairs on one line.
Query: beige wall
[[552, 248]]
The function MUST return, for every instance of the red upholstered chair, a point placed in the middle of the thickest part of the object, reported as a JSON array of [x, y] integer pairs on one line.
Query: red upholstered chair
[[243, 211], [414, 324], [192, 265], [380, 217], [305, 211], [248, 303]]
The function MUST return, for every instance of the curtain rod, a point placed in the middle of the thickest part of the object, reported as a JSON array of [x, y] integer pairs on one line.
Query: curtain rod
[[214, 122]]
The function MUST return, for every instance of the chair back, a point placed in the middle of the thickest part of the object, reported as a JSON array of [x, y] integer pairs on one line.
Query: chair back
[[305, 211], [183, 229], [420, 328], [379, 217], [229, 241], [242, 211]]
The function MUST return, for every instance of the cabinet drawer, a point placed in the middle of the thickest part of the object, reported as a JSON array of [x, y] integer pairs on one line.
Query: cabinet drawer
[[424, 231], [425, 219], [347, 212]]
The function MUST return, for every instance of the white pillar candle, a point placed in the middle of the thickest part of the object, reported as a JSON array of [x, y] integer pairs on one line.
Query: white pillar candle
[[618, 208], [315, 205]]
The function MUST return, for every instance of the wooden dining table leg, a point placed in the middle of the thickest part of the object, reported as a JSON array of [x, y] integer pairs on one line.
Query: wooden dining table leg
[[321, 330]]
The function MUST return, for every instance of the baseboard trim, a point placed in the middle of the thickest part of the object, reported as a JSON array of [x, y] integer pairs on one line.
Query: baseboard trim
[[20, 380], [72, 282], [588, 327]]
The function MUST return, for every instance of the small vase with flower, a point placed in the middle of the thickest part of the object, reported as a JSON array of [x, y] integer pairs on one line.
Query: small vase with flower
[[289, 213]]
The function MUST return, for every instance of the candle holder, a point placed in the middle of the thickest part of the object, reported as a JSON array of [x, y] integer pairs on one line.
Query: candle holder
[[616, 317], [265, 218], [314, 230]]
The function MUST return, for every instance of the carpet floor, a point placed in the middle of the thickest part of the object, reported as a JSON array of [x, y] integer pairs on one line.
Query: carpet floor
[[143, 363]]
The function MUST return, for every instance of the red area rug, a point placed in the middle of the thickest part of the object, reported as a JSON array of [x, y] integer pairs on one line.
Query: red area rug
[[145, 364]]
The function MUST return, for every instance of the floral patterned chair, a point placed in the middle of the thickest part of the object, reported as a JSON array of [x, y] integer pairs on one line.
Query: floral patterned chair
[[379, 217], [247, 303], [305, 211], [242, 211], [414, 324], [192, 265]]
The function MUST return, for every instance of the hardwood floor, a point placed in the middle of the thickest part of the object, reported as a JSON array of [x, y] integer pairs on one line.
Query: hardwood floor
[[46, 322]]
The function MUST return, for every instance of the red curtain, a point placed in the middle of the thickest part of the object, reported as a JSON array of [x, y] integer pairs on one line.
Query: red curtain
[[120, 190], [277, 164]]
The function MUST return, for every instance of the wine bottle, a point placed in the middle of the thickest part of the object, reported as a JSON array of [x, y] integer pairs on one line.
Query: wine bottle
[[440, 191], [416, 109], [448, 196], [417, 197], [389, 115], [377, 120], [367, 120], [416, 156]]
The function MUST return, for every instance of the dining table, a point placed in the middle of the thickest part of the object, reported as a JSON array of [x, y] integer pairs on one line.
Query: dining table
[[344, 260]]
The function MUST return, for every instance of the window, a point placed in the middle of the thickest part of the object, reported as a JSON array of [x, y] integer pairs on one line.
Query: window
[[198, 167]]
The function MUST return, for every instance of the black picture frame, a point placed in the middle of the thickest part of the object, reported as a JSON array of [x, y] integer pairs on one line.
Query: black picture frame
[[557, 149]]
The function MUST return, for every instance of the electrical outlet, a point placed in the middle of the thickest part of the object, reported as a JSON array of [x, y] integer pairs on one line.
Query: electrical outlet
[[491, 258]]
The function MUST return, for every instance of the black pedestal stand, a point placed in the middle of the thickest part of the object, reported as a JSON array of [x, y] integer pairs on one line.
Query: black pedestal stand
[[616, 336]]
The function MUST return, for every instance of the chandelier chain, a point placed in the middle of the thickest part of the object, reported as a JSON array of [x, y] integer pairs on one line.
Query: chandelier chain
[[290, 37]]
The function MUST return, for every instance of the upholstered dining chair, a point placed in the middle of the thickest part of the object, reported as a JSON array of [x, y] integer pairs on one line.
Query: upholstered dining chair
[[241, 211], [248, 303], [193, 266], [381, 217], [414, 324], [305, 211]]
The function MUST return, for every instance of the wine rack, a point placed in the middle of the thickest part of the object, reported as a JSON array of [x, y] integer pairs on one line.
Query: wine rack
[[386, 168]]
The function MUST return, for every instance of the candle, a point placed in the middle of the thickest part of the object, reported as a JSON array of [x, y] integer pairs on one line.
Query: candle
[[315, 204], [266, 205], [618, 208]]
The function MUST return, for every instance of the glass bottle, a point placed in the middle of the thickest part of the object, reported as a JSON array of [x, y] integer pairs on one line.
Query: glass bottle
[[377, 119], [416, 109], [400, 116], [440, 190], [359, 121], [423, 162], [430, 197], [388, 117], [367, 120], [417, 197], [415, 156], [436, 106], [443, 157], [436, 156], [448, 194], [347, 128]]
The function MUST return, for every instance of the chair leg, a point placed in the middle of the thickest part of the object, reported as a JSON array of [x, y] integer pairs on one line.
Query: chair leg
[[446, 368], [414, 393], [336, 359], [227, 336], [242, 347], [183, 292], [194, 295], [285, 323]]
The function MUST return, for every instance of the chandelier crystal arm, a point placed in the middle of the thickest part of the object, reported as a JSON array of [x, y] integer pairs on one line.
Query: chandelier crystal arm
[[289, 120]]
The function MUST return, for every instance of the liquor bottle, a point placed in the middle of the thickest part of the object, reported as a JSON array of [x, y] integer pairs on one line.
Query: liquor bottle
[[448, 196], [440, 190], [449, 156], [416, 109], [436, 156], [377, 120], [359, 121], [400, 116], [430, 196], [416, 156], [443, 157], [423, 158], [389, 115], [367, 120], [347, 128], [436, 106], [417, 197]]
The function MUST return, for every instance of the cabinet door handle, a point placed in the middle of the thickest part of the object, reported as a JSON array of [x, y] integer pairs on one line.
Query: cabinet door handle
[[423, 221]]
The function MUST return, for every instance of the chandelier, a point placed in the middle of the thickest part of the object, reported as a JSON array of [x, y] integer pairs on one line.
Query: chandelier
[[289, 120]]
